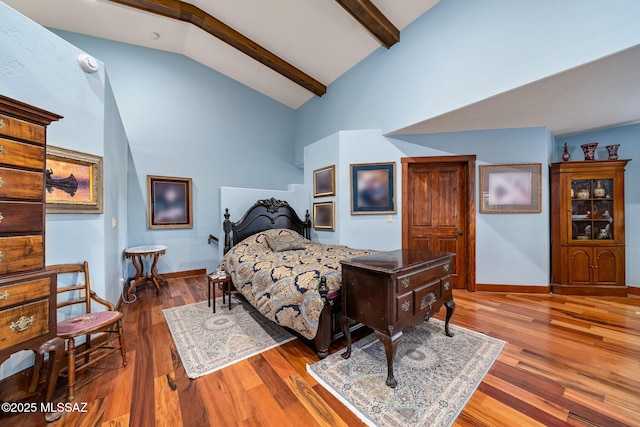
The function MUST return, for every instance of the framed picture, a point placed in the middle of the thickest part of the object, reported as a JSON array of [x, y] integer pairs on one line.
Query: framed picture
[[324, 181], [73, 181], [169, 202], [511, 188], [323, 216], [373, 188]]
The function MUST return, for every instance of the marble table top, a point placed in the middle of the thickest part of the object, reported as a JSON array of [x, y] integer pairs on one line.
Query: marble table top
[[145, 250]]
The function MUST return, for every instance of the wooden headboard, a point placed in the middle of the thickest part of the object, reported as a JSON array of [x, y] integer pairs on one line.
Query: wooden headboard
[[265, 214]]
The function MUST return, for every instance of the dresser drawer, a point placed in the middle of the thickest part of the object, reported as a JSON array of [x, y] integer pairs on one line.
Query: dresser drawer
[[426, 296], [14, 153], [21, 217], [23, 323], [24, 291], [404, 307], [17, 128], [417, 278], [22, 253], [17, 184]]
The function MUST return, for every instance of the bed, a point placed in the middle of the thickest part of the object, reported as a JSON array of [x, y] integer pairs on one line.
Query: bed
[[289, 279]]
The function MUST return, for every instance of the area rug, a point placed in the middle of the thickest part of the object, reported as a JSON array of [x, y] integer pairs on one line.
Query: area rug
[[208, 342], [436, 375]]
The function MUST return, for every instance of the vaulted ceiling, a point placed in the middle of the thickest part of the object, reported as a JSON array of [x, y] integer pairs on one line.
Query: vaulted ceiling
[[318, 39]]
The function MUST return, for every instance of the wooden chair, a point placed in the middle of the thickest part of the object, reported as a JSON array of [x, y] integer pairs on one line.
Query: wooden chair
[[107, 323]]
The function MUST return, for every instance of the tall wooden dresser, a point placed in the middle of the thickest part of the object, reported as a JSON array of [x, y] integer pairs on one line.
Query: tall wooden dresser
[[27, 289]]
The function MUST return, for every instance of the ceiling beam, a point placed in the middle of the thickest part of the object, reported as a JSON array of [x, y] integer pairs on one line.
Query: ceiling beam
[[186, 12], [374, 21]]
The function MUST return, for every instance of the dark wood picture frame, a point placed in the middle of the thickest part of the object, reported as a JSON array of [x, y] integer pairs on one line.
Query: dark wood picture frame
[[169, 202], [74, 182], [324, 216], [373, 188], [513, 188], [324, 181]]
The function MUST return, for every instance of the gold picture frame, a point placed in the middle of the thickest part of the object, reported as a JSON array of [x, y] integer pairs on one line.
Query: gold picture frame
[[324, 181], [73, 181], [513, 188], [323, 216], [169, 202]]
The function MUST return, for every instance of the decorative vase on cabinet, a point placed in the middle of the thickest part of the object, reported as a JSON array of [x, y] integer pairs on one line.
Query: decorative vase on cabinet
[[587, 232]]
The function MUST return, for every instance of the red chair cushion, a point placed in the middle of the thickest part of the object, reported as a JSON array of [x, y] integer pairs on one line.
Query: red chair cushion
[[87, 322]]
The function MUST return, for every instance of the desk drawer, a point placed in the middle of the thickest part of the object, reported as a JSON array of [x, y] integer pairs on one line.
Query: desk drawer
[[23, 323], [22, 253], [17, 128], [14, 153], [415, 279], [21, 217], [17, 184], [24, 291]]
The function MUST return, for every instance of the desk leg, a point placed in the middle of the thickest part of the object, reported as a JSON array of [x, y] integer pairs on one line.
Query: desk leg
[[138, 278], [346, 323], [390, 347], [451, 307]]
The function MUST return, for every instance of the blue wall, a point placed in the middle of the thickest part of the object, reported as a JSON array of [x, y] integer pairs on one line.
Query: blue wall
[[40, 68], [183, 119], [461, 52], [629, 139], [512, 249]]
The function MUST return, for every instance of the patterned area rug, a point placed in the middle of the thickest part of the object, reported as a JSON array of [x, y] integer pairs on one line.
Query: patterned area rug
[[208, 342], [436, 375]]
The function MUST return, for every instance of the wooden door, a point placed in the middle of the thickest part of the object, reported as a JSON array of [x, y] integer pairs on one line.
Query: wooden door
[[438, 211]]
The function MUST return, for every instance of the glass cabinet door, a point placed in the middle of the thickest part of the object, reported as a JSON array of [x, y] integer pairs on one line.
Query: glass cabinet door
[[592, 209]]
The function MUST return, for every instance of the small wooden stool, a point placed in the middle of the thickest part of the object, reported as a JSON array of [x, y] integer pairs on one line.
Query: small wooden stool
[[225, 286]]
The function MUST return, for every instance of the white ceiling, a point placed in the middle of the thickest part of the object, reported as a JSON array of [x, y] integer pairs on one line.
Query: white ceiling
[[317, 36], [598, 95], [320, 38]]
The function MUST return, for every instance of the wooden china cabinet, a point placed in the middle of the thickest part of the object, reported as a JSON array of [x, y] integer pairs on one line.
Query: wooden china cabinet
[[587, 228]]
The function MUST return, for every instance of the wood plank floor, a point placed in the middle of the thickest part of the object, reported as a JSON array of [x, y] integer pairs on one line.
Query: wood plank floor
[[568, 361]]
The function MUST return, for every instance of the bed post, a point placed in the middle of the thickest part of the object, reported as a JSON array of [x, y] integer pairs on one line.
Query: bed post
[[226, 226], [322, 340], [307, 227]]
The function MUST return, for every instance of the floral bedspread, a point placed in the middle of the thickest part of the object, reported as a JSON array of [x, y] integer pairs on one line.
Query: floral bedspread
[[283, 286]]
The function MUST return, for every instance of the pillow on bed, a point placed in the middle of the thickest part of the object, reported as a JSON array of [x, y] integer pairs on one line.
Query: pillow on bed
[[286, 240]]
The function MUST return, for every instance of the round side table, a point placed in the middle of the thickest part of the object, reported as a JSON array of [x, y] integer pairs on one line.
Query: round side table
[[136, 254]]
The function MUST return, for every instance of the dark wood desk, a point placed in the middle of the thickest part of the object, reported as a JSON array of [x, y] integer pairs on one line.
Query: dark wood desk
[[390, 290]]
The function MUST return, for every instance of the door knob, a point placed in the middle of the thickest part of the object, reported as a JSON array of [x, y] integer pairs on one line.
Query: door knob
[[459, 232]]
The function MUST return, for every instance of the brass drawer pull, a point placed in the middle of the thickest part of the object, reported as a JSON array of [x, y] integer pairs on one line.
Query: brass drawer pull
[[446, 286], [1, 123], [22, 324], [1, 255], [1, 149], [406, 282], [446, 267], [405, 306], [1, 217], [1, 181], [4, 295]]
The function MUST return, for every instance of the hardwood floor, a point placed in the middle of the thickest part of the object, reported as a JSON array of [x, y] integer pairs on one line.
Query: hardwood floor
[[568, 361]]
